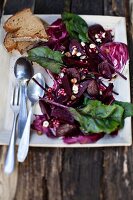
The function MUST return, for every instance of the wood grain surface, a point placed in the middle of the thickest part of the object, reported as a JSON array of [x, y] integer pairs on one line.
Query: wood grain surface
[[73, 174]]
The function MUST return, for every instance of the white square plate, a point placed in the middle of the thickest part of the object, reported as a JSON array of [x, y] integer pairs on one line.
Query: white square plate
[[124, 138]]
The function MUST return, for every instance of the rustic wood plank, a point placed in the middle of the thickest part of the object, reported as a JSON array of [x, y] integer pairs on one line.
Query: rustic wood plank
[[39, 175], [82, 174], [118, 172], [15, 5], [49, 7], [8, 184], [90, 7], [2, 4], [60, 174], [114, 7], [67, 5]]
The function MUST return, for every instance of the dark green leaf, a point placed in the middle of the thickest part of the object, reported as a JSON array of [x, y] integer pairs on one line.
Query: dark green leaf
[[98, 110], [47, 58], [96, 117], [128, 108], [76, 26]]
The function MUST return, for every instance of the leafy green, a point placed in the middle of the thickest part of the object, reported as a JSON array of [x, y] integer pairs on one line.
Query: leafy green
[[128, 108], [47, 58], [76, 26], [96, 117]]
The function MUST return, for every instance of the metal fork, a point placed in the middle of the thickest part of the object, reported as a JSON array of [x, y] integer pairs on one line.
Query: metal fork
[[10, 157]]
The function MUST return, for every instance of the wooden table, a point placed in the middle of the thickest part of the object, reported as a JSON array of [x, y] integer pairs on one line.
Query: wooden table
[[73, 174]]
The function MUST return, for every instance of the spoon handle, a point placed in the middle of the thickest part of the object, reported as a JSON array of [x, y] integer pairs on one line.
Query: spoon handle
[[24, 142], [23, 110]]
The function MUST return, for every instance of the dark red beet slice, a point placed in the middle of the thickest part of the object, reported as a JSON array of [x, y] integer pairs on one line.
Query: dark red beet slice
[[92, 88], [104, 70], [66, 85], [96, 31], [73, 73], [62, 114], [67, 130]]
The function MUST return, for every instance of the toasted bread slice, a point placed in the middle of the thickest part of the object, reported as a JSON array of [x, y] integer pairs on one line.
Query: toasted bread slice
[[10, 44], [22, 47], [26, 26], [14, 22]]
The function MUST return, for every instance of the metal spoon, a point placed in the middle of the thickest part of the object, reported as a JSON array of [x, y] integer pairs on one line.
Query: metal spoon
[[34, 91], [23, 71]]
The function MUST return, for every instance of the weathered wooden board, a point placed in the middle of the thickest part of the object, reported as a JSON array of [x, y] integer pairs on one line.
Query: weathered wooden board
[[64, 174], [14, 6], [86, 7], [49, 6], [117, 181]]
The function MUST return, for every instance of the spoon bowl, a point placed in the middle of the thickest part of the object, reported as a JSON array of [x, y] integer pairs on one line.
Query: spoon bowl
[[34, 92], [23, 71]]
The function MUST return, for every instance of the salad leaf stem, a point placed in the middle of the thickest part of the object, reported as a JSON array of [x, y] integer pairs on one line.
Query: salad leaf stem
[[54, 103], [39, 84]]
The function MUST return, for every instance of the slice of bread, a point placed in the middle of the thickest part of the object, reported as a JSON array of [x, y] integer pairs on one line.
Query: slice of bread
[[26, 26], [22, 47], [24, 30], [10, 44], [14, 22]]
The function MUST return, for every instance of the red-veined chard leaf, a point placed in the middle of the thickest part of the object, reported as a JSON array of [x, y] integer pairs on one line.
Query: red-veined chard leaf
[[47, 58]]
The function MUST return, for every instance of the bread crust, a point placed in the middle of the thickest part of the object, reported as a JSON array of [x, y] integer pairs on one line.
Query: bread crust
[[24, 30], [21, 46], [9, 42], [7, 26]]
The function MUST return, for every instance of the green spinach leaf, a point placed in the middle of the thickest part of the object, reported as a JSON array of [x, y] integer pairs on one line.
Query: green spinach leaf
[[76, 26], [47, 58]]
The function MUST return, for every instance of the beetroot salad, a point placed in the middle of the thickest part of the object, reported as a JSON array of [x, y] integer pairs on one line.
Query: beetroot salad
[[80, 107]]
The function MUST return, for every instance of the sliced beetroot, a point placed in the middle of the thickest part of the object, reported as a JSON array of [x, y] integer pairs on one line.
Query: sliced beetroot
[[73, 73], [117, 53], [67, 130], [66, 85], [107, 96], [114, 133], [92, 88], [92, 52], [99, 35], [83, 139], [104, 70], [82, 87], [70, 61], [37, 124], [62, 99], [62, 114], [45, 108], [85, 63], [62, 46], [75, 46], [95, 29]]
